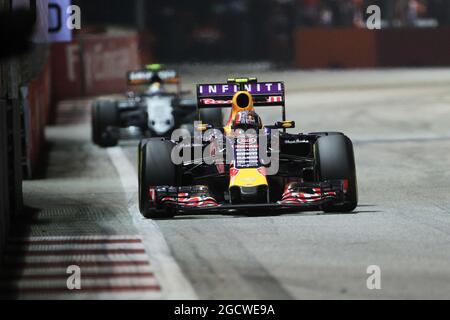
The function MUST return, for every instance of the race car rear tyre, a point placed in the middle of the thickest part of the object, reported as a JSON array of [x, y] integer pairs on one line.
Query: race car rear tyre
[[105, 116], [155, 169], [212, 116], [336, 161]]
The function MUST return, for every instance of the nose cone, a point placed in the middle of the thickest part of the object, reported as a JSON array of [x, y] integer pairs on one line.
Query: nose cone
[[160, 114]]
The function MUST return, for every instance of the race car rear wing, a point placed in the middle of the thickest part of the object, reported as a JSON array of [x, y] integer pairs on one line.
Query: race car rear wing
[[220, 95], [144, 77]]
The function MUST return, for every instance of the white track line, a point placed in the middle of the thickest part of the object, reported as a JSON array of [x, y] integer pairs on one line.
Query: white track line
[[174, 284]]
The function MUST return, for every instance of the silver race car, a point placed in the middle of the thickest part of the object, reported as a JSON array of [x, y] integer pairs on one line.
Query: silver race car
[[155, 112]]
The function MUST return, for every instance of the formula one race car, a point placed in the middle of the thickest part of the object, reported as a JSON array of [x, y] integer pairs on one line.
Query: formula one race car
[[156, 112], [265, 168]]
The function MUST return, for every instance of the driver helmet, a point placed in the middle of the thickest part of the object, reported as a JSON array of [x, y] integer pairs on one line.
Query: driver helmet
[[247, 120], [154, 87]]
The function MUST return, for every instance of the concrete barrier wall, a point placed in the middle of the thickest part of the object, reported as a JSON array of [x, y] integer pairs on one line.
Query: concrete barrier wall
[[361, 48], [37, 108], [24, 100], [4, 188], [66, 70], [10, 165]]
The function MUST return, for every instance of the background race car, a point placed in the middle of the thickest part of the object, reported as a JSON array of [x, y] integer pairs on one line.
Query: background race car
[[314, 171], [155, 112]]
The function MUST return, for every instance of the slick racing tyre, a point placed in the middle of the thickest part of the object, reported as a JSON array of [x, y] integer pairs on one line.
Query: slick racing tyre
[[336, 161], [155, 169], [105, 118], [212, 116]]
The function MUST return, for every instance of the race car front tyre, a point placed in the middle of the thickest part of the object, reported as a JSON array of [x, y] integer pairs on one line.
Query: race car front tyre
[[155, 169], [336, 161], [105, 117]]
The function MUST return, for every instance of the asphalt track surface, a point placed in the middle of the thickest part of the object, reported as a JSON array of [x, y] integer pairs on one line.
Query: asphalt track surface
[[399, 122]]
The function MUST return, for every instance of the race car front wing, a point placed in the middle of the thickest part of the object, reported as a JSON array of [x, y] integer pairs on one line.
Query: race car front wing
[[297, 196]]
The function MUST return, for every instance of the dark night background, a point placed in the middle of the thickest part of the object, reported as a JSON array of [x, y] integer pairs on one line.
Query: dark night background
[[243, 30]]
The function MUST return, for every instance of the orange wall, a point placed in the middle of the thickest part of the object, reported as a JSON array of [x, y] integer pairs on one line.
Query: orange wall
[[362, 48], [346, 47], [39, 103], [414, 47], [97, 64]]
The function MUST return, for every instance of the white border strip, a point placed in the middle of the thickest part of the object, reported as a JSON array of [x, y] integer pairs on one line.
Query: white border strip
[[173, 283]]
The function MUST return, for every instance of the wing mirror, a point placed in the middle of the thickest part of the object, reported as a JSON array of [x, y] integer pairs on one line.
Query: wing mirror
[[283, 125], [202, 127], [130, 95]]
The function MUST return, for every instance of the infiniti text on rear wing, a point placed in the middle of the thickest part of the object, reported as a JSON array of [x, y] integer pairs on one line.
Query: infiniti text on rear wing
[[265, 94]]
